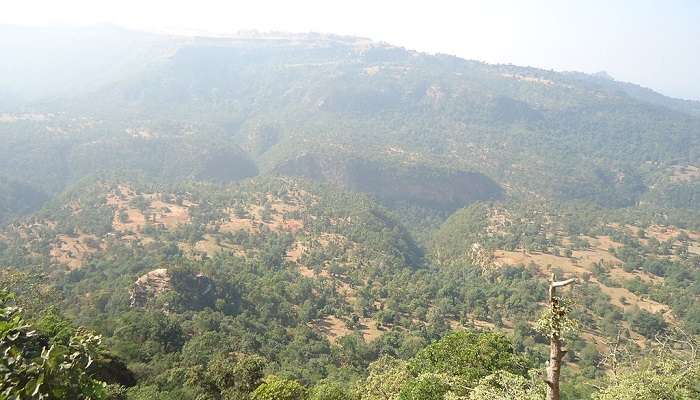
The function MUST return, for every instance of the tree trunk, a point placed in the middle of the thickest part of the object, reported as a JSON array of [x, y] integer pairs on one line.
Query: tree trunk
[[554, 368], [555, 343]]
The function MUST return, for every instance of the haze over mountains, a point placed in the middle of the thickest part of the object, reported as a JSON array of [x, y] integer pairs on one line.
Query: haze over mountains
[[304, 205], [344, 110]]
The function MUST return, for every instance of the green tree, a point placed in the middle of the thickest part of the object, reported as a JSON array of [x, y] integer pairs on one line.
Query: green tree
[[426, 387], [503, 385], [227, 376], [32, 369], [275, 388], [470, 356], [646, 323], [665, 381], [387, 377], [328, 391]]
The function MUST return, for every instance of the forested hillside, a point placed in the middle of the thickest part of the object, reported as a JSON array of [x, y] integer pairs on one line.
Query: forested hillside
[[323, 217]]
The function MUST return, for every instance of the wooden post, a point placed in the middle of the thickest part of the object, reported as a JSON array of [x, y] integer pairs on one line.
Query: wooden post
[[556, 353]]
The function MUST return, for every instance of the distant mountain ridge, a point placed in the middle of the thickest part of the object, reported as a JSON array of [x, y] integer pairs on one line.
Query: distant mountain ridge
[[271, 99]]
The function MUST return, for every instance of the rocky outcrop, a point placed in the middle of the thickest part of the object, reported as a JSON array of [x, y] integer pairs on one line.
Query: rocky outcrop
[[148, 286], [481, 257], [193, 290]]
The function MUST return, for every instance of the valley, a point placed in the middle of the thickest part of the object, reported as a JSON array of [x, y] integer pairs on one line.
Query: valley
[[332, 214]]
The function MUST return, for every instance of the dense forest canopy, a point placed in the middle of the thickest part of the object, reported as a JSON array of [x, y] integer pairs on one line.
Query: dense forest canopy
[[326, 217]]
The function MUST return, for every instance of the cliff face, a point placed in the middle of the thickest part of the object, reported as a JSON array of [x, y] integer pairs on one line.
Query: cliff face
[[421, 184], [149, 286]]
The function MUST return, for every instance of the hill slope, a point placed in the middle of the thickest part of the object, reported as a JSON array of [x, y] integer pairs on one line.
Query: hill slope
[[309, 204], [353, 108]]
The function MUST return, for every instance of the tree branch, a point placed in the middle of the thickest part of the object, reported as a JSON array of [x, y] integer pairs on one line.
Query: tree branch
[[563, 283]]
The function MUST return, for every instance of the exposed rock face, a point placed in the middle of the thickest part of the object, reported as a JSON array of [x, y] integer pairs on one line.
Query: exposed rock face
[[425, 185], [148, 286], [226, 165], [194, 291], [480, 256]]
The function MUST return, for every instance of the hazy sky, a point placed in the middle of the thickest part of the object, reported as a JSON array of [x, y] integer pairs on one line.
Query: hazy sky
[[653, 43]]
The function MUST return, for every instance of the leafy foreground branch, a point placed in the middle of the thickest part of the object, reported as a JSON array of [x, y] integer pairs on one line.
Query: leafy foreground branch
[[32, 368]]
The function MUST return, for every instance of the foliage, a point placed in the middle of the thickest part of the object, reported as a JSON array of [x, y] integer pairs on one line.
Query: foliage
[[646, 323], [470, 356], [54, 372], [274, 388], [227, 376], [386, 378], [458, 234], [663, 380], [328, 391], [504, 385], [429, 386], [555, 320]]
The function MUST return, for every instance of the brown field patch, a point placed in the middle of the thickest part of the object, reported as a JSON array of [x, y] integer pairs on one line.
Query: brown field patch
[[326, 239], [165, 214], [308, 272], [346, 290], [581, 262], [498, 219], [120, 196], [252, 223], [295, 253], [369, 329], [567, 265], [479, 324], [343, 287], [622, 275], [660, 232], [588, 258], [342, 283], [602, 242], [663, 233], [277, 220], [334, 328], [694, 249], [626, 228], [234, 224], [526, 78], [170, 215], [685, 173], [631, 299], [28, 230], [73, 251], [209, 246], [281, 207], [134, 222], [372, 70]]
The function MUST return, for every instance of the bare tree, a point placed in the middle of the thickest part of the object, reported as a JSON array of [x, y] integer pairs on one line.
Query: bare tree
[[618, 354], [555, 323]]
